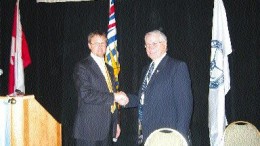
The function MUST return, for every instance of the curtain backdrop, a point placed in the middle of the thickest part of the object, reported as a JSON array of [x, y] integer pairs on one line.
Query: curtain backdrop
[[57, 37]]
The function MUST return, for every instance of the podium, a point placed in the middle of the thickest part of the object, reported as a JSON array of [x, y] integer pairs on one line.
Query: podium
[[27, 123]]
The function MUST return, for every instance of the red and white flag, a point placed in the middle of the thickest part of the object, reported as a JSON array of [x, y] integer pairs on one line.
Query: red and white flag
[[19, 57]]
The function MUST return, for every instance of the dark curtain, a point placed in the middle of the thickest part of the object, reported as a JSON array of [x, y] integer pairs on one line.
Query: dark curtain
[[57, 38]]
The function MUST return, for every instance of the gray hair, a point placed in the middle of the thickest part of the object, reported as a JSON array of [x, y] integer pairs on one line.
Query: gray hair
[[162, 35]]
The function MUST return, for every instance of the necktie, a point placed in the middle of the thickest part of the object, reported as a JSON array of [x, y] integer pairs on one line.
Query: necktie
[[147, 77], [140, 107], [110, 88]]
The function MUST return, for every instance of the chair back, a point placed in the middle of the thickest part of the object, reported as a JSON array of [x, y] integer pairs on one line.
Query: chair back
[[241, 133], [165, 137]]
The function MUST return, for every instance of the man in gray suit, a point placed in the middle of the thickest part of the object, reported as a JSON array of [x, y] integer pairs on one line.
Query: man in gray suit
[[97, 116], [165, 96]]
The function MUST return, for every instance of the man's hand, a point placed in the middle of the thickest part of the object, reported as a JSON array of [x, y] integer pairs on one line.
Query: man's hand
[[121, 98]]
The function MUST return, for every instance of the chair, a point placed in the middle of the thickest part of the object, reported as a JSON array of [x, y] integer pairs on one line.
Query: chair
[[165, 137], [241, 133]]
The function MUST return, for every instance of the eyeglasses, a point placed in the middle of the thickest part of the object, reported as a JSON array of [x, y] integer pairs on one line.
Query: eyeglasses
[[99, 44], [152, 44]]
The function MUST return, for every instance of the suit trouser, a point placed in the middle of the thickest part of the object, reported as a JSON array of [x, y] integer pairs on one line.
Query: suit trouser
[[108, 141]]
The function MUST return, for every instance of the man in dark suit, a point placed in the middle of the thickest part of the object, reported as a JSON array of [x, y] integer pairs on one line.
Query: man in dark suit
[[165, 96], [96, 119]]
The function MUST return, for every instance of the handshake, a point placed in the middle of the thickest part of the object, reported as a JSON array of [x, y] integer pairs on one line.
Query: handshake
[[121, 98]]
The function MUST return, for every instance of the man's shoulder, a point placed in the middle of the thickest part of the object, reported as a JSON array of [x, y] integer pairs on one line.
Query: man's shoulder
[[86, 60], [175, 60], [85, 63]]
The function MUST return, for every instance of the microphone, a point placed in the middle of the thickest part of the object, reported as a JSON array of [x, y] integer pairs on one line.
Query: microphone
[[12, 101], [17, 93]]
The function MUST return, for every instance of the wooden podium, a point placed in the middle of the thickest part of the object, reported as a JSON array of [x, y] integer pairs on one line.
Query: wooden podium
[[31, 124]]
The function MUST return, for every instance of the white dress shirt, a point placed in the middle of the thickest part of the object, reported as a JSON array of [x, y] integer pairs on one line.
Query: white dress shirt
[[101, 63]]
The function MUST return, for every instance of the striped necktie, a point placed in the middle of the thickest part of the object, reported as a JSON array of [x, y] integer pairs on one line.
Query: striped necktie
[[147, 77]]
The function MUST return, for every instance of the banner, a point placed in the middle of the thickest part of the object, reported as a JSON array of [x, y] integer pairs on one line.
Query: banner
[[219, 74]]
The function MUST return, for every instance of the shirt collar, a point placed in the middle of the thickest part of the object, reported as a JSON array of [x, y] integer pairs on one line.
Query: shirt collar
[[158, 60], [99, 60]]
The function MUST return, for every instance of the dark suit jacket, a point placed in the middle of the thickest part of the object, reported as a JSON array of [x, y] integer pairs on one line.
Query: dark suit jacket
[[168, 100], [93, 119]]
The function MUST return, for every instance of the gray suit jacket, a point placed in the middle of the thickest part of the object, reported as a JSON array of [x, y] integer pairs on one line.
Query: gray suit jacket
[[93, 119]]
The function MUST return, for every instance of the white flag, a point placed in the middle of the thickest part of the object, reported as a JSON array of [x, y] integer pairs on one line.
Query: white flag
[[219, 74]]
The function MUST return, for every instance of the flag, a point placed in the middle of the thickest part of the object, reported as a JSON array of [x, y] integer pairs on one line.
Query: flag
[[219, 74], [112, 54], [19, 57]]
